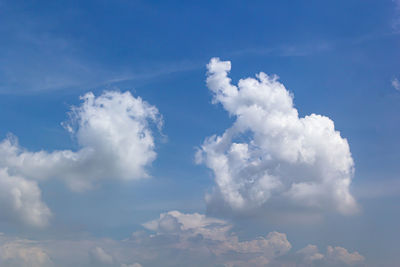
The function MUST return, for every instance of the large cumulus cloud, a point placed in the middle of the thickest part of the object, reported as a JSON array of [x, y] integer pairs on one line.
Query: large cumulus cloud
[[115, 138], [116, 142], [270, 154]]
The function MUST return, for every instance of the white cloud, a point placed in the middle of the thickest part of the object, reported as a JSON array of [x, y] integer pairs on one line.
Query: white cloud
[[115, 139], [270, 155], [37, 60], [196, 232], [20, 201], [335, 256], [341, 255], [396, 84], [23, 253], [190, 225], [131, 265], [310, 253], [99, 256], [396, 20], [175, 239]]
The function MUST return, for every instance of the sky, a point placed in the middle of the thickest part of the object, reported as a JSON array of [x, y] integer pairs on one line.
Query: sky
[[199, 133]]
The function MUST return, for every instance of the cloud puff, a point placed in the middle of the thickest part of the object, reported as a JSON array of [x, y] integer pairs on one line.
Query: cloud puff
[[20, 201], [131, 265], [396, 84], [310, 253], [189, 225], [115, 138], [174, 239], [100, 257], [335, 256], [214, 239], [23, 253], [270, 154], [341, 255]]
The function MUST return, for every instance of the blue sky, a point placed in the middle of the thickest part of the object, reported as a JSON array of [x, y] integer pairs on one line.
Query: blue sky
[[88, 189]]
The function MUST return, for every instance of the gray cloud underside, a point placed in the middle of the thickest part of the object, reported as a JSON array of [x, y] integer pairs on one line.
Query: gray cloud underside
[[174, 239]]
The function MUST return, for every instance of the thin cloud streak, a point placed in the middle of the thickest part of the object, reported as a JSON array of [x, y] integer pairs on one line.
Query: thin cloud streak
[[39, 61], [309, 49], [380, 188]]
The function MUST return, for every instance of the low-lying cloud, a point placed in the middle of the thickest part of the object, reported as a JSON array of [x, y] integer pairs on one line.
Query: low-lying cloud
[[334, 256], [174, 239]]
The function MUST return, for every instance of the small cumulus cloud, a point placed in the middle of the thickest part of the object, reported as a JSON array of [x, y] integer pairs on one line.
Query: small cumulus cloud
[[396, 84], [270, 154], [190, 224], [175, 239], [214, 236], [334, 256], [342, 256], [310, 253], [23, 253], [100, 257]]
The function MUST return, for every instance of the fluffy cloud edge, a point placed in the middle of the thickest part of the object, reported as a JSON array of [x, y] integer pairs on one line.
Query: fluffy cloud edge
[[174, 239], [115, 141], [115, 134], [270, 154], [21, 201]]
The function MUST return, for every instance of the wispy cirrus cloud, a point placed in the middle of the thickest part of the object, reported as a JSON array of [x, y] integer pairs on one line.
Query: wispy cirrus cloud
[[34, 59], [46, 63], [396, 19], [288, 50], [378, 188]]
